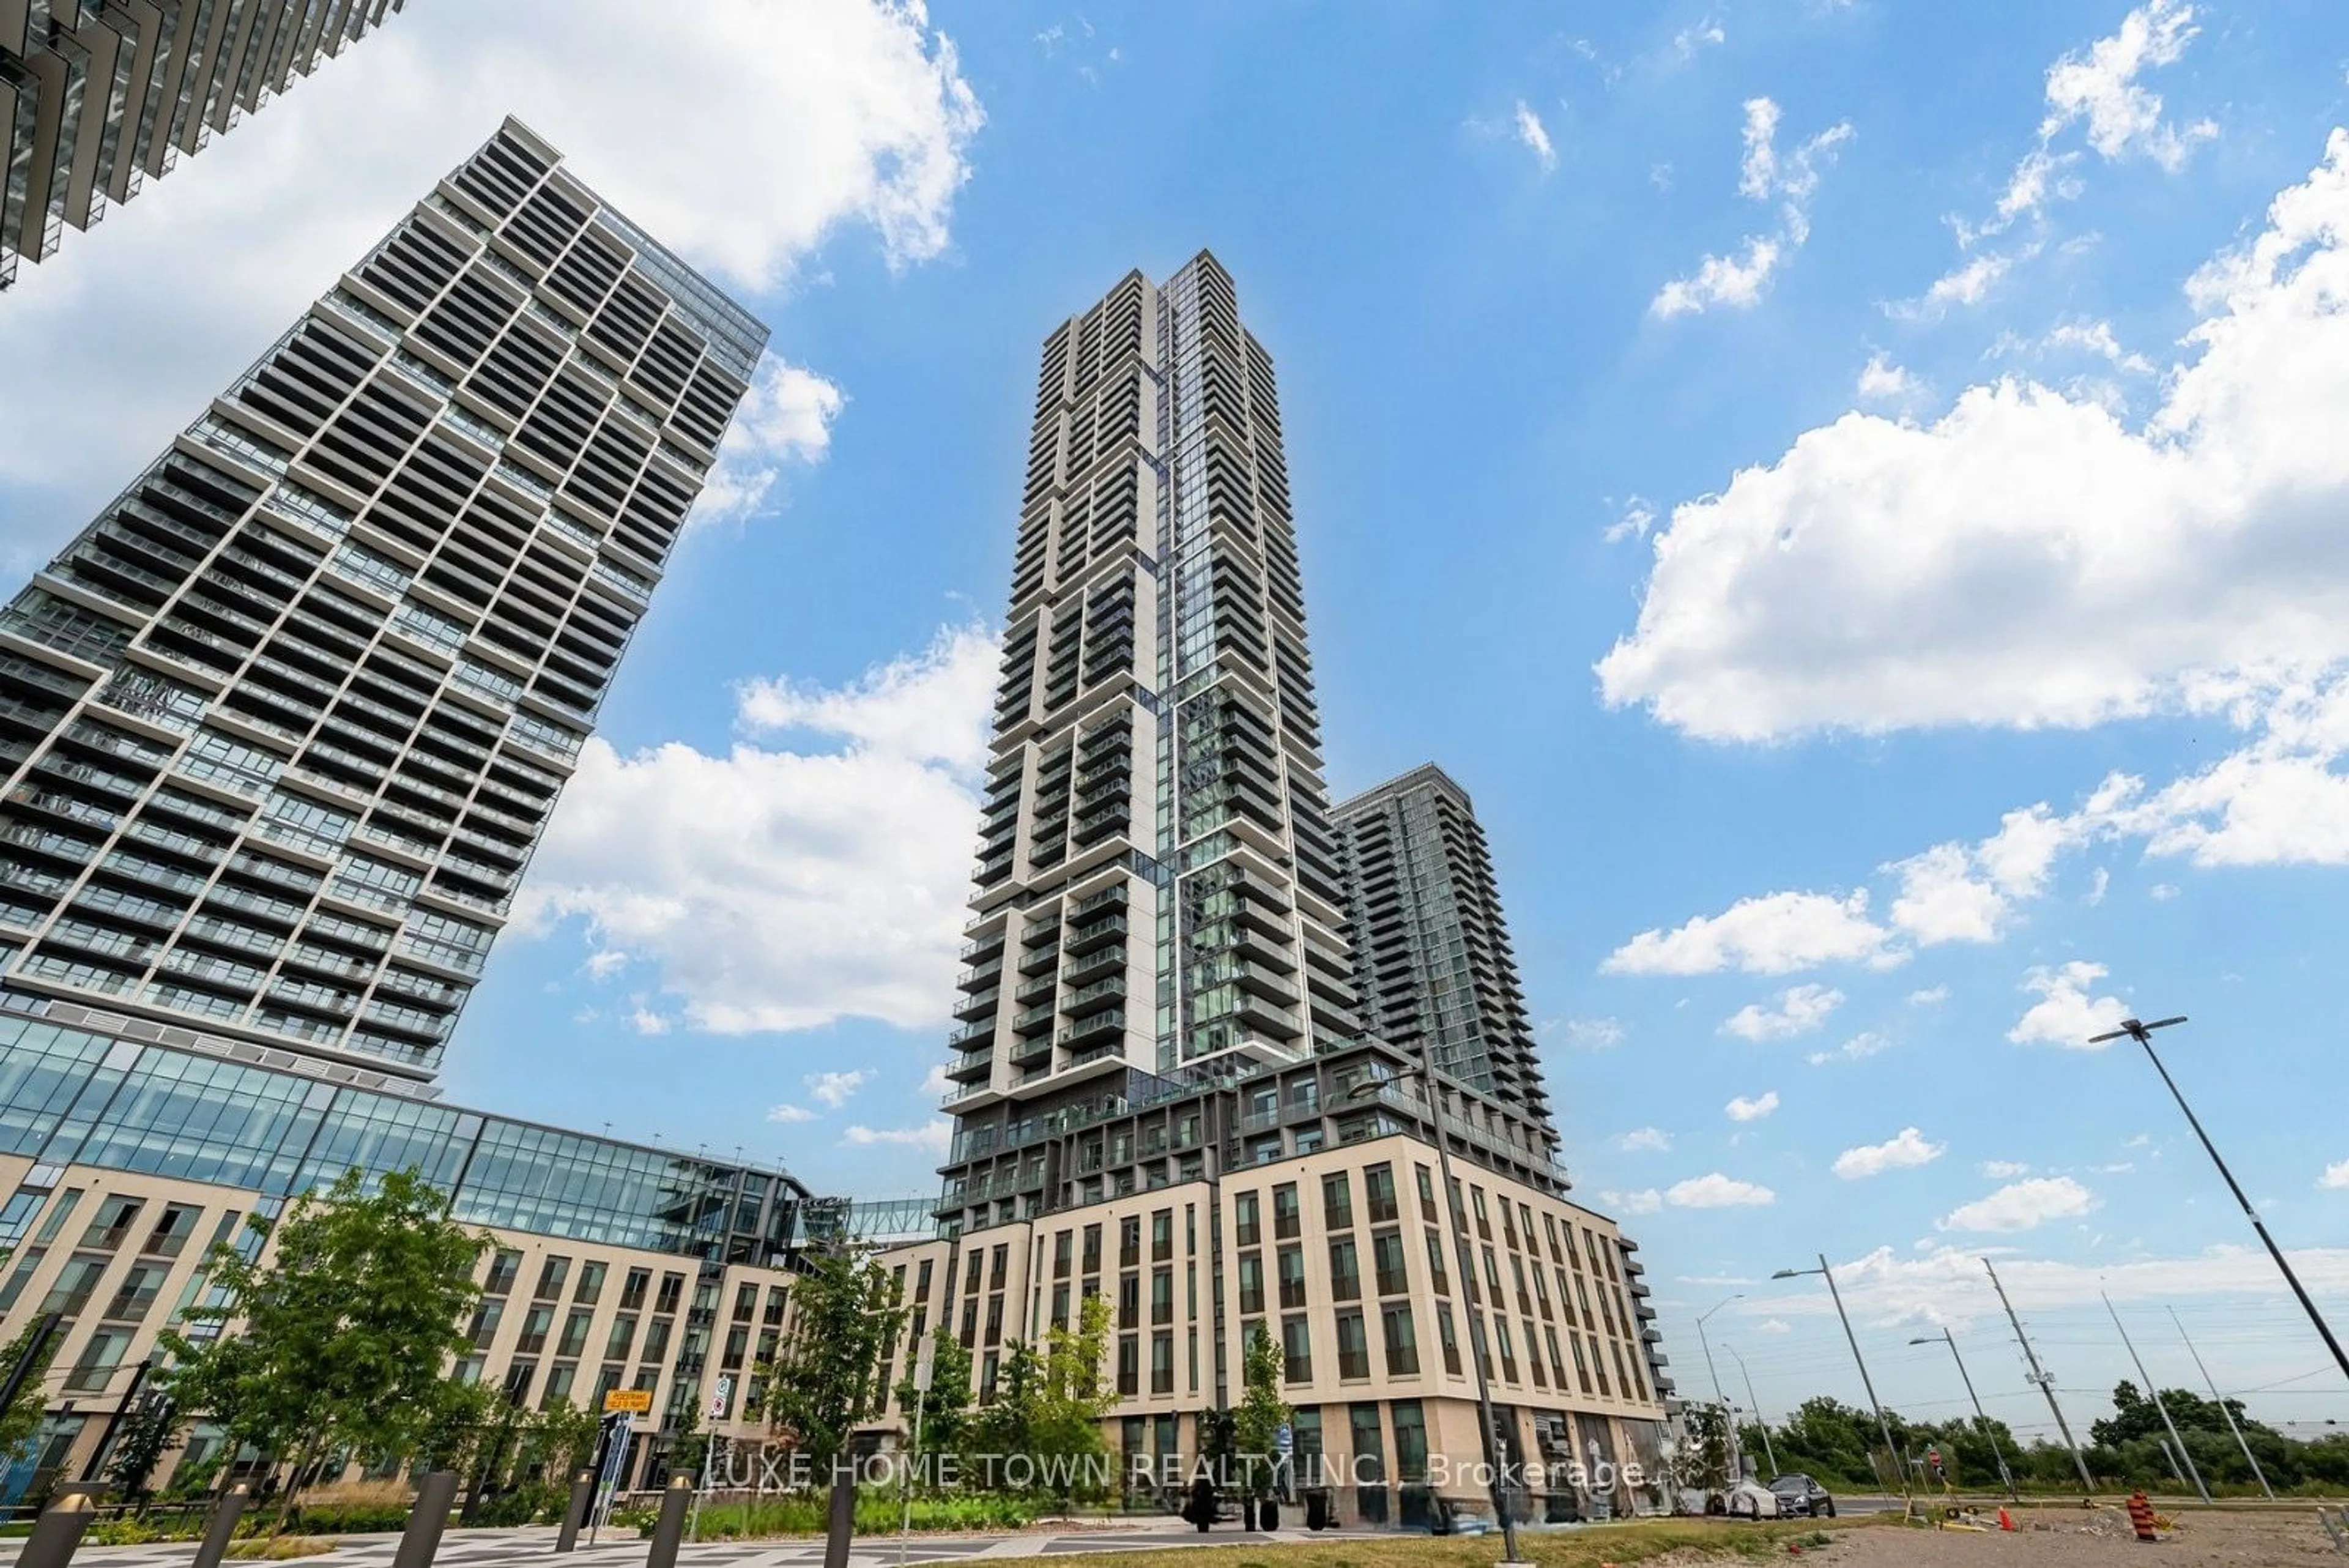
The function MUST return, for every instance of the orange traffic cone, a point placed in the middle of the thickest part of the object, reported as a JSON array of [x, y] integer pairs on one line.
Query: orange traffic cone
[[2006, 1519], [2141, 1516]]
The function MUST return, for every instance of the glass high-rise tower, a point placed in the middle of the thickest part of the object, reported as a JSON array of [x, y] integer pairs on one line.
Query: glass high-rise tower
[[96, 98], [1432, 954], [279, 730]]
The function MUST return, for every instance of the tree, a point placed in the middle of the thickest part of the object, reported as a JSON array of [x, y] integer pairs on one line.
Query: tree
[[21, 1420], [561, 1440], [945, 1407], [827, 1377], [338, 1339], [1069, 1400], [148, 1432], [1256, 1425]]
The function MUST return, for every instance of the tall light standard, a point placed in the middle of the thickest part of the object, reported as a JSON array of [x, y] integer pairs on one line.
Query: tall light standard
[[1882, 1425], [1981, 1419], [1466, 1264], [1767, 1451], [1729, 1420], [2143, 1034]]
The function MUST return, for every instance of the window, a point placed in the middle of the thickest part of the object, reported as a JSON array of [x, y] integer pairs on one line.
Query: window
[[172, 1229], [534, 1325], [1386, 1256], [1129, 1301], [1129, 1241], [591, 1284], [1353, 1346], [553, 1276], [1533, 1356], [1162, 1363], [623, 1335], [99, 1358], [1549, 1225], [1517, 1273], [1285, 1214], [75, 1285], [1581, 1368], [1059, 1306], [995, 1320], [559, 1379], [970, 1336], [1337, 1201], [1092, 1248], [1251, 1281], [1379, 1194], [1063, 1248], [672, 1293], [1345, 1270], [575, 1332], [1162, 1295], [502, 1270], [1483, 1219], [1410, 1441], [738, 1347], [656, 1334], [1426, 1193], [1557, 1362], [1245, 1231], [1370, 1445], [1403, 1344], [1290, 1261], [1449, 1338], [633, 1289], [1541, 1290], [486, 1315], [773, 1316], [136, 1294], [1161, 1235], [995, 1264], [111, 1223], [1296, 1351], [746, 1298], [1129, 1367], [1437, 1275]]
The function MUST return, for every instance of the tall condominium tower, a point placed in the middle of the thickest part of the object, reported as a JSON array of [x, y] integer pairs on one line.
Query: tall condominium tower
[[1157, 886], [1432, 956], [95, 99], [279, 730]]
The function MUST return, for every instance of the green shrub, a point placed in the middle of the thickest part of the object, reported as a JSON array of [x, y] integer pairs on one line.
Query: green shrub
[[879, 1512]]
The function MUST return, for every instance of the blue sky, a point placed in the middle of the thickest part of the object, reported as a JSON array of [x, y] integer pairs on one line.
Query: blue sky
[[1850, 490]]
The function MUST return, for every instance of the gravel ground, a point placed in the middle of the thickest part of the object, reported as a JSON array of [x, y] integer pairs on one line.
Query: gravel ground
[[2070, 1537]]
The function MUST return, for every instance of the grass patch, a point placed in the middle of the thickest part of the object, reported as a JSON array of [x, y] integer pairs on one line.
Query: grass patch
[[280, 1548], [1639, 1541]]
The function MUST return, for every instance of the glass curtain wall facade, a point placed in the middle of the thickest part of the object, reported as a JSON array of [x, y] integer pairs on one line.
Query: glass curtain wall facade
[[279, 730], [95, 99], [1432, 955], [1157, 898]]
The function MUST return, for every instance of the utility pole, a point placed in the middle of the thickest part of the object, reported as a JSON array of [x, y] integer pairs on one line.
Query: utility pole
[[1767, 1451], [1980, 1419], [1883, 1427], [1729, 1416], [2045, 1379], [2192, 1468], [2143, 1034], [2241, 1441]]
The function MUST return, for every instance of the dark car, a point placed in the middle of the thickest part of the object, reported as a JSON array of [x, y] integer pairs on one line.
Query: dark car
[[1800, 1497]]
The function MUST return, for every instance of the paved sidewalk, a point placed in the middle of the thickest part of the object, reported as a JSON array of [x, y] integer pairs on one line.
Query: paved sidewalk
[[501, 1548]]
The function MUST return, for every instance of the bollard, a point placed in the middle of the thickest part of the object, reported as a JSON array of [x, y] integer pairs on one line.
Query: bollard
[[58, 1530], [223, 1528], [582, 1493], [670, 1529], [842, 1524], [426, 1520]]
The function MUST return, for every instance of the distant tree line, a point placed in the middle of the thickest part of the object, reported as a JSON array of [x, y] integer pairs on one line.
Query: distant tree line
[[1833, 1441]]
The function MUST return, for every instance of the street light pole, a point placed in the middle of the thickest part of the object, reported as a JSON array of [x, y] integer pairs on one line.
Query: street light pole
[[1767, 1451], [1729, 1418], [1980, 1419], [2143, 1034], [2224, 1409], [1883, 1427], [2192, 1468], [2046, 1380], [1479, 1335]]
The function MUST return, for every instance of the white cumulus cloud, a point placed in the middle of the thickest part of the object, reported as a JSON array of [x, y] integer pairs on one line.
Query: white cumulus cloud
[[931, 1136], [1534, 136], [2065, 1014], [2335, 1177], [780, 888], [1882, 575], [1799, 1009], [1743, 1109], [1774, 934], [1645, 1140], [832, 1089], [1905, 1149], [1645, 1200], [2023, 1206], [2001, 1170], [1715, 1190]]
